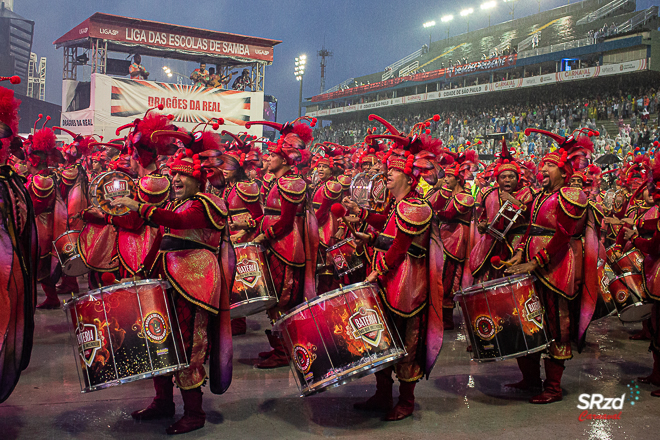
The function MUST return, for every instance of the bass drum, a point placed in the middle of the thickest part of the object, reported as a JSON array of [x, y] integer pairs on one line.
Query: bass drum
[[338, 337]]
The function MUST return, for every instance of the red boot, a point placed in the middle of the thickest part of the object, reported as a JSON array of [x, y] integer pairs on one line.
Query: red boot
[[554, 369], [162, 406], [644, 334], [530, 367], [382, 400], [193, 414], [278, 358], [51, 301], [654, 378], [238, 326], [267, 354], [448, 318], [69, 285], [406, 404]]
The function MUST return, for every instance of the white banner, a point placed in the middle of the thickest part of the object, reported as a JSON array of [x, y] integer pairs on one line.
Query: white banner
[[571, 75], [80, 122], [116, 102]]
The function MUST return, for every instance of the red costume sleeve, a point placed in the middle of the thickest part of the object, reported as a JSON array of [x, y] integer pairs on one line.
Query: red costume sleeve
[[131, 221], [89, 218], [323, 213], [40, 205], [193, 217], [397, 252], [374, 219], [284, 225]]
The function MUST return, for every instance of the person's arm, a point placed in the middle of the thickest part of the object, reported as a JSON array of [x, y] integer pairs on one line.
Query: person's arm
[[284, 224], [194, 217]]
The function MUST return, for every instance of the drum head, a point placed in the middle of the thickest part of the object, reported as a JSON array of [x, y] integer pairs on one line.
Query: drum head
[[111, 186]]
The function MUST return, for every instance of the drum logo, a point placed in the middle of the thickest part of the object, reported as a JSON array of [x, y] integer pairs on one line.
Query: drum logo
[[379, 191], [69, 247], [248, 272], [339, 260], [155, 328], [485, 327], [621, 296], [534, 311], [115, 189], [303, 357], [88, 342], [367, 326]]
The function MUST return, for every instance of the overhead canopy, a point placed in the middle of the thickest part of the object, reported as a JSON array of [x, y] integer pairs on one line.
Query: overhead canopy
[[132, 35]]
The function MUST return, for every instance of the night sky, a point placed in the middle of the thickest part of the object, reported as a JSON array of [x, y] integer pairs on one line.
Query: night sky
[[364, 36]]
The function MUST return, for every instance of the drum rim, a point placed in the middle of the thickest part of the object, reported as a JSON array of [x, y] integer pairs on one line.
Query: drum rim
[[632, 307], [633, 250], [490, 283], [514, 355], [134, 378], [65, 233], [313, 301], [338, 380], [625, 274], [341, 243], [109, 289]]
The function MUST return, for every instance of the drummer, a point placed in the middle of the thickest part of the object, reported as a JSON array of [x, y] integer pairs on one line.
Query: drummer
[[289, 233], [647, 241], [327, 192], [49, 208], [558, 215], [484, 257], [135, 237], [191, 232], [242, 197]]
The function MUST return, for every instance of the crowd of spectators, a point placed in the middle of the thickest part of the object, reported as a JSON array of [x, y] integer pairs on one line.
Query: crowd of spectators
[[634, 113]]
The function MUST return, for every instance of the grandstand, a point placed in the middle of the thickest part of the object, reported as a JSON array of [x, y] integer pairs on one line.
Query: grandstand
[[586, 40]]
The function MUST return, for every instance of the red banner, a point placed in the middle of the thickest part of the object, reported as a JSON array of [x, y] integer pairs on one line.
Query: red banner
[[425, 76], [148, 33], [482, 66]]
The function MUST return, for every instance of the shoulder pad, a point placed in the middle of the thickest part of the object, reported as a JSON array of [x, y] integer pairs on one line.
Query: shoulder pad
[[463, 202], [215, 208], [598, 207], [268, 177], [572, 201], [292, 188], [154, 188], [248, 191], [69, 175], [445, 192], [525, 194], [332, 189], [43, 183], [486, 191], [345, 181], [413, 215]]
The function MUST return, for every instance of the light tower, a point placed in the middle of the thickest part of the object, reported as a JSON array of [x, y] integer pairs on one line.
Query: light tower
[[323, 53]]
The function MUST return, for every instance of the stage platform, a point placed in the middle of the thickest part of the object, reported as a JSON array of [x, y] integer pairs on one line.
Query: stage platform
[[462, 399]]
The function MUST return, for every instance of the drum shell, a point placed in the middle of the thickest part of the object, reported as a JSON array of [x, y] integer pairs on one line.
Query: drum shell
[[630, 298], [504, 318], [66, 248], [253, 290], [605, 304], [338, 337], [344, 257], [630, 262], [130, 331]]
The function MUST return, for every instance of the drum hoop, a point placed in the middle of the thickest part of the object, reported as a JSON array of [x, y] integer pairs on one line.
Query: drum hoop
[[65, 233], [634, 250], [625, 274], [499, 282], [325, 296], [108, 289], [341, 243]]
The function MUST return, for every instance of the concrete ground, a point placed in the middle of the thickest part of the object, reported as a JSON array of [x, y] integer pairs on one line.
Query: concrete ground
[[462, 399]]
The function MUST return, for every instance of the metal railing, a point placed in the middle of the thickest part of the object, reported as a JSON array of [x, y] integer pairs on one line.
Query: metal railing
[[405, 71], [556, 48], [340, 86], [638, 20], [389, 70], [604, 11]]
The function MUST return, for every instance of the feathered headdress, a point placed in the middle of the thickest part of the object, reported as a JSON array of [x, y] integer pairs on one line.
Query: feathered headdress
[[329, 155], [295, 137], [79, 148], [506, 162], [241, 153], [8, 122], [574, 151], [41, 145]]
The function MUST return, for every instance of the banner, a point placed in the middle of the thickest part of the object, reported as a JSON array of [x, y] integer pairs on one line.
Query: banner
[[116, 102], [482, 66]]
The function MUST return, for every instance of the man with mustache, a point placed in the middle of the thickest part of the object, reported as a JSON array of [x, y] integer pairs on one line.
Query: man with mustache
[[557, 219]]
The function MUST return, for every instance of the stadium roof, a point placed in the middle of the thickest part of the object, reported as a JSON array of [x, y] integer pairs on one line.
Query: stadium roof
[[124, 34]]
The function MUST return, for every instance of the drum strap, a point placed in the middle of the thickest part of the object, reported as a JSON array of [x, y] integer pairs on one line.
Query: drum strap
[[384, 243], [457, 221], [275, 211], [169, 243], [537, 231]]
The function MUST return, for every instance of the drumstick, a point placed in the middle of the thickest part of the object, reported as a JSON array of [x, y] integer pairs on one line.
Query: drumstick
[[497, 261], [339, 211]]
